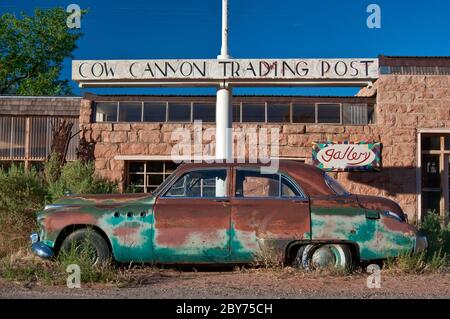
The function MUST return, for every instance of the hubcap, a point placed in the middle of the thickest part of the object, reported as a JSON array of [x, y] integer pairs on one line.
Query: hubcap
[[324, 257]]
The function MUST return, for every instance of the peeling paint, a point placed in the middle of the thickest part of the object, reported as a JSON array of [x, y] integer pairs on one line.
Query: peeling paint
[[151, 228]]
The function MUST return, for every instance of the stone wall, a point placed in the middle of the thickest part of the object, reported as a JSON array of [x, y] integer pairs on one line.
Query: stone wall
[[404, 103]]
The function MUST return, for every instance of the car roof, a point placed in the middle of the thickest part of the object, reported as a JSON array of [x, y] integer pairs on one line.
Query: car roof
[[309, 177]]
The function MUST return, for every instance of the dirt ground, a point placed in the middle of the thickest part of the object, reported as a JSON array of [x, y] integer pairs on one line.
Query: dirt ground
[[247, 284]]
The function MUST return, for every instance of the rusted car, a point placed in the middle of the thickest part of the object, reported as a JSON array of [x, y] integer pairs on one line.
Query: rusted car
[[229, 214]]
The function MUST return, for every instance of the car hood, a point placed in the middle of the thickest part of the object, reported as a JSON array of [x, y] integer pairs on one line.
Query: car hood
[[380, 203]]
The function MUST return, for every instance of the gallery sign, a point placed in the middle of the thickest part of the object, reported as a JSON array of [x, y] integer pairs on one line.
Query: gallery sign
[[229, 70], [347, 156]]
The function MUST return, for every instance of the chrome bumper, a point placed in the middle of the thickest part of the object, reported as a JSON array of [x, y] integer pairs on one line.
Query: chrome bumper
[[421, 244], [40, 249]]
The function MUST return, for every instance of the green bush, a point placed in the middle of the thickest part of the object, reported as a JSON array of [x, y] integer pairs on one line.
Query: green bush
[[79, 178], [438, 235], [435, 259], [22, 191], [52, 169]]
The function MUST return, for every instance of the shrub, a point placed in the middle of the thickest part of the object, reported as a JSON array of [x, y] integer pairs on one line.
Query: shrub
[[52, 169], [438, 235], [436, 258], [79, 178], [21, 191]]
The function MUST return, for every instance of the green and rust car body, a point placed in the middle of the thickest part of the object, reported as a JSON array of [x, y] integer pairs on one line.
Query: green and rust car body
[[151, 228]]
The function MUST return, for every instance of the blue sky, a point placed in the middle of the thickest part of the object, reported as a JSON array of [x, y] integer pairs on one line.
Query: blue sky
[[149, 29]]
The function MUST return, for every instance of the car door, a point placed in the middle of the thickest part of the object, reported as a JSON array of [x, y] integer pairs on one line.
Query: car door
[[268, 211], [192, 218]]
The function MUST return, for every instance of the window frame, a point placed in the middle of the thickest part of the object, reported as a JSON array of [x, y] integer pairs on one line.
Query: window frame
[[131, 102], [304, 104], [253, 103], [166, 108], [193, 104], [302, 197], [146, 173], [168, 187], [328, 123], [189, 104], [289, 106], [241, 105]]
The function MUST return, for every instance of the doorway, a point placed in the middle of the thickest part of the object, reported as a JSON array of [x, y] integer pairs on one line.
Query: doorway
[[435, 174]]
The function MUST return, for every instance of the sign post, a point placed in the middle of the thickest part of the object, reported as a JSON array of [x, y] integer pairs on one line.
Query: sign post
[[224, 143], [225, 73]]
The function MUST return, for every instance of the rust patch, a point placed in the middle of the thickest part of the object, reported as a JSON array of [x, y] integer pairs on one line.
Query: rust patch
[[125, 231], [395, 225], [58, 221]]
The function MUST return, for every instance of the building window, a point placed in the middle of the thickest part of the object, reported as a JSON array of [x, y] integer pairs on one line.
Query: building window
[[12, 137], [145, 177], [303, 113], [253, 112], [179, 112], [30, 138], [435, 172], [155, 112], [237, 113], [329, 113], [355, 114], [271, 112], [130, 112], [106, 112], [205, 112], [370, 114], [278, 113]]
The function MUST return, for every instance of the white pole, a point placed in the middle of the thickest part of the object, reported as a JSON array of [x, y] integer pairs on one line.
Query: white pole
[[224, 141], [224, 51]]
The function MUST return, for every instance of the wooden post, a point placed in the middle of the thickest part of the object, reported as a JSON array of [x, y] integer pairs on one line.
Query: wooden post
[[27, 142]]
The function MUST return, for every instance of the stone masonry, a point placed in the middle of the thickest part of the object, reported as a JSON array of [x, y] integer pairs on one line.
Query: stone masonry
[[403, 104]]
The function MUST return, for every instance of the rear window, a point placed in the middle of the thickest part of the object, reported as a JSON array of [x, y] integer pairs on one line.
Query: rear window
[[335, 186]]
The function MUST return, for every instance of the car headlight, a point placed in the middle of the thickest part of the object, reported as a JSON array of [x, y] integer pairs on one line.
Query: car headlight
[[393, 215]]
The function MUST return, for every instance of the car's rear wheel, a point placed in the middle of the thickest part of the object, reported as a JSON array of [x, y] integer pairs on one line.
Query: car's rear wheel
[[88, 245], [323, 256]]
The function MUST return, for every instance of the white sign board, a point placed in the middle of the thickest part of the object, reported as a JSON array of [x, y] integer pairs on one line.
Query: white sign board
[[239, 71], [347, 156]]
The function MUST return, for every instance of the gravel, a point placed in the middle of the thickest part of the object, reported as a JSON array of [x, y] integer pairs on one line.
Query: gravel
[[245, 284]]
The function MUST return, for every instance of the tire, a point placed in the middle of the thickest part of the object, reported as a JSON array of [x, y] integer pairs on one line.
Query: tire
[[321, 256], [298, 257], [88, 241]]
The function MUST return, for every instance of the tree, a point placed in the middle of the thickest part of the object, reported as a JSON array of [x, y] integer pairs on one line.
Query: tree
[[32, 51]]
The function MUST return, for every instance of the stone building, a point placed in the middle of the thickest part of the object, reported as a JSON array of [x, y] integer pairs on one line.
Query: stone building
[[407, 110]]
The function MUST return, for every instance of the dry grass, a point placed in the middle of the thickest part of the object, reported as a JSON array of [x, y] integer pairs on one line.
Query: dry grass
[[14, 233], [406, 263], [268, 257]]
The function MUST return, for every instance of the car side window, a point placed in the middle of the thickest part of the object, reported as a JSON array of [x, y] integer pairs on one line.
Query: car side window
[[209, 183], [252, 183]]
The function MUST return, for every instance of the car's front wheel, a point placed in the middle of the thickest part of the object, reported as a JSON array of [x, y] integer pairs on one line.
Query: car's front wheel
[[323, 256], [88, 245]]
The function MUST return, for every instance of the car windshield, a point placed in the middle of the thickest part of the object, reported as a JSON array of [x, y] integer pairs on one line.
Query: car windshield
[[335, 185], [163, 184]]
